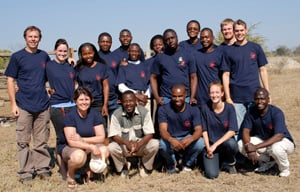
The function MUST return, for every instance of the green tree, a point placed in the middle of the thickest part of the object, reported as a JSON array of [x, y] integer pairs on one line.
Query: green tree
[[282, 51]]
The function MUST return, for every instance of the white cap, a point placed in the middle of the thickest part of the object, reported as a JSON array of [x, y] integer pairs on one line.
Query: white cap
[[97, 165]]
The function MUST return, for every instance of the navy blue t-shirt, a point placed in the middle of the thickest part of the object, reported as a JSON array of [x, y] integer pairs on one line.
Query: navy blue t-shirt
[[209, 69], [29, 71], [112, 70], [266, 126], [179, 123], [134, 76], [174, 68], [186, 44], [217, 124], [121, 54], [92, 77], [84, 126], [61, 78], [243, 64]]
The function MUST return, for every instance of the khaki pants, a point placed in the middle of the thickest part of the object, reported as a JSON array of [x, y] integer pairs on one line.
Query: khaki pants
[[147, 153], [37, 158]]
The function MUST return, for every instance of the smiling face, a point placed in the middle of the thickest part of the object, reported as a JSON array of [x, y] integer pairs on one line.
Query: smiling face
[[128, 102], [134, 52], [87, 54], [158, 45], [261, 99], [227, 31], [193, 29], [240, 33], [61, 53], [32, 38], [216, 93], [206, 39], [83, 102], [178, 97], [105, 43]]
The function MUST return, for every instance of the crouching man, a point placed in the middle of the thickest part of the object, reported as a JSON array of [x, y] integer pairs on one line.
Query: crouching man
[[271, 137], [131, 131]]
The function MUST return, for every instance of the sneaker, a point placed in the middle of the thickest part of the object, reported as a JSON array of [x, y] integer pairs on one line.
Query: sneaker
[[284, 173], [264, 166], [143, 172], [124, 174], [186, 169]]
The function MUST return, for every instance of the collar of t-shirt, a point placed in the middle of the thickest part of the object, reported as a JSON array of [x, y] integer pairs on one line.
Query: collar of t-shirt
[[134, 62]]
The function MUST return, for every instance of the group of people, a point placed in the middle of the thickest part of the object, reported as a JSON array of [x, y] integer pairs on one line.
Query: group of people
[[191, 102]]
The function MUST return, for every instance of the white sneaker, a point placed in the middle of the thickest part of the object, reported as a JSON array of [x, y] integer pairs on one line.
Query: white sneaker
[[284, 173], [264, 166], [125, 174], [186, 169]]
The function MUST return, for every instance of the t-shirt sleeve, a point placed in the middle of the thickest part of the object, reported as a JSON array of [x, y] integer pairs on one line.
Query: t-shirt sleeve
[[12, 67], [162, 115]]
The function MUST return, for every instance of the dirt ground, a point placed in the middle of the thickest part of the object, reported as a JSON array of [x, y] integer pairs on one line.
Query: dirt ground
[[285, 89]]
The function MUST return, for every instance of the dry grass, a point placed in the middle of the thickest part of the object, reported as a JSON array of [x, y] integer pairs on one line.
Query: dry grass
[[285, 87]]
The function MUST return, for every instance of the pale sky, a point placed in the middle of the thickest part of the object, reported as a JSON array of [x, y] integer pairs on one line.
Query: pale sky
[[80, 21]]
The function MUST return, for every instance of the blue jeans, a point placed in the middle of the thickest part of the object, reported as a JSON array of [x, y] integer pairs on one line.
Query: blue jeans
[[226, 151], [112, 106], [240, 110], [189, 154]]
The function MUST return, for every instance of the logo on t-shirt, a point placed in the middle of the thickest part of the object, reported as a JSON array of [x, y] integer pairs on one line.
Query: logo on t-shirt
[[143, 74], [187, 124], [98, 77], [181, 62], [71, 75], [271, 126], [226, 124], [44, 65], [252, 55], [212, 64], [114, 64]]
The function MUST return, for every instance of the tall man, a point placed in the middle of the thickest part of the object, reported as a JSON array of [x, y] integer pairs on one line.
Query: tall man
[[121, 52], [246, 65], [227, 32], [174, 66], [30, 105]]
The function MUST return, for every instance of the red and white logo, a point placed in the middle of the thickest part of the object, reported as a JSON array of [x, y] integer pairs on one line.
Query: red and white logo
[[187, 123], [98, 77], [253, 55]]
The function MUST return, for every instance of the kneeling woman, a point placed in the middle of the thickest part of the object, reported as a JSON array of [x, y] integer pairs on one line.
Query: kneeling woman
[[83, 135], [219, 127]]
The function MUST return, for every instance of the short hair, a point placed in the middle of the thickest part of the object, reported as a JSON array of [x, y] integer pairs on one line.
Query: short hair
[[32, 28], [226, 22], [193, 21], [60, 42], [261, 89], [135, 44], [84, 91], [240, 22], [179, 86], [215, 83], [127, 92], [104, 34], [207, 29], [124, 30]]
